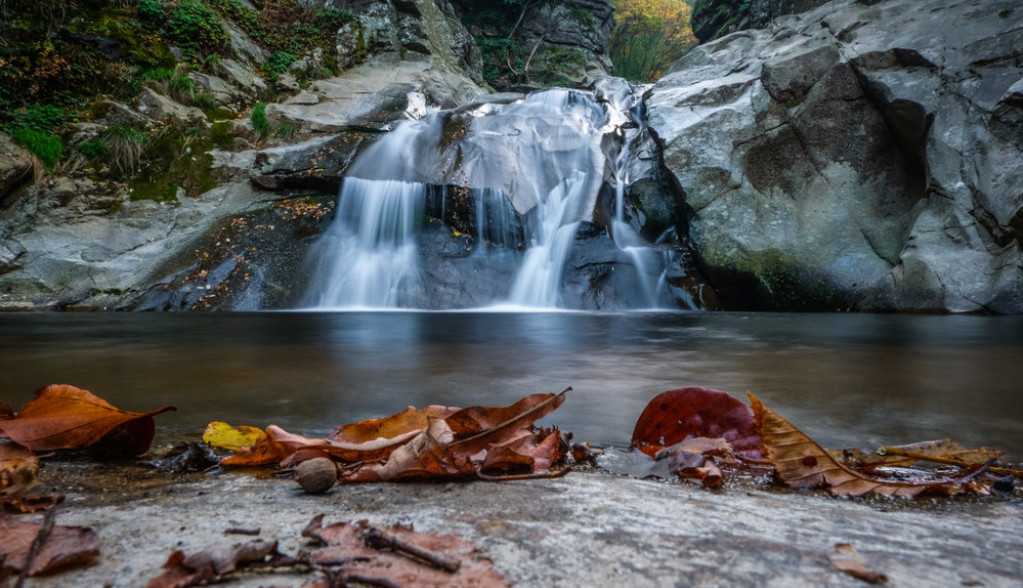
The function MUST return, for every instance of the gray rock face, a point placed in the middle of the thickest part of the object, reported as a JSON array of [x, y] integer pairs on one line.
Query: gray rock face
[[15, 166], [855, 156], [713, 18]]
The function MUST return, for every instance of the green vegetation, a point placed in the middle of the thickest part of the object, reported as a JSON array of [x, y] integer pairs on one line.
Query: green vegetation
[[259, 121], [34, 128], [649, 36], [125, 145], [197, 29], [62, 61]]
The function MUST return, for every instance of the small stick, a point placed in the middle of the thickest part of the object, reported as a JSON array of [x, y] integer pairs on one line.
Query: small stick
[[379, 539], [942, 460], [533, 476], [241, 531], [37, 545]]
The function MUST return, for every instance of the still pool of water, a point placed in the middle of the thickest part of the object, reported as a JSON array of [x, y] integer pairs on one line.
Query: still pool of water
[[847, 380]]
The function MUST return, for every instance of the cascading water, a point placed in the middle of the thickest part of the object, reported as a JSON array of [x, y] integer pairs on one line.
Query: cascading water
[[532, 169], [650, 264], [370, 250]]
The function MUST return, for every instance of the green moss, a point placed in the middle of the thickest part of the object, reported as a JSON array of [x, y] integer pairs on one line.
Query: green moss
[[220, 136], [176, 157]]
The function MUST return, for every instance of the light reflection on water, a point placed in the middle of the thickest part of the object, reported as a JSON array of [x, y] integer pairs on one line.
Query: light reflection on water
[[848, 380]]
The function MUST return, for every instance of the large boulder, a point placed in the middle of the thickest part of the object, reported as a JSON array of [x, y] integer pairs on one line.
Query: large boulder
[[855, 156]]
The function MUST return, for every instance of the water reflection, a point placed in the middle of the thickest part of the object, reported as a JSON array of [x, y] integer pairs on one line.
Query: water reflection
[[848, 380]]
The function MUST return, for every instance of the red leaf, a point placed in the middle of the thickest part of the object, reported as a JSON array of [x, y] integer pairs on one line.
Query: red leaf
[[676, 415]]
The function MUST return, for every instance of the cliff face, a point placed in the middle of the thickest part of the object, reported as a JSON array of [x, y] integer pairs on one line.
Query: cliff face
[[538, 42], [715, 18], [856, 156]]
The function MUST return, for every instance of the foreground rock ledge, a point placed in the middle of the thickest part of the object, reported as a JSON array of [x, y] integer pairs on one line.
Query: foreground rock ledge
[[586, 529]]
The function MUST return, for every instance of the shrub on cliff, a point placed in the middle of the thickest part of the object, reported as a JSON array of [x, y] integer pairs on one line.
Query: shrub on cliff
[[649, 36]]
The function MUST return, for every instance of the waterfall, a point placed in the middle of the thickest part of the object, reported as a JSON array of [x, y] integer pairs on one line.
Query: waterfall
[[514, 178], [370, 251]]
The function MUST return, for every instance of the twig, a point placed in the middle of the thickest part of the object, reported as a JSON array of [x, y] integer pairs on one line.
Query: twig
[[241, 531], [37, 545], [942, 460], [533, 476], [379, 539]]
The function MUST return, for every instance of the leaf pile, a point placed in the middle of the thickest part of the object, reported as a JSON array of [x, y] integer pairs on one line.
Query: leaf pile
[[416, 444], [706, 435]]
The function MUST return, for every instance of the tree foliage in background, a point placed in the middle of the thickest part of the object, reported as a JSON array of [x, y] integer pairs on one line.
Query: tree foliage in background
[[649, 36]]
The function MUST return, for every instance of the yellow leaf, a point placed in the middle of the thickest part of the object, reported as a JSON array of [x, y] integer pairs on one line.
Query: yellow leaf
[[225, 436]]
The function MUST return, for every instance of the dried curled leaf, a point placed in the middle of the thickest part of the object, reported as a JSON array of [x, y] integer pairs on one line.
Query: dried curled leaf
[[675, 415], [65, 417], [397, 425], [802, 463]]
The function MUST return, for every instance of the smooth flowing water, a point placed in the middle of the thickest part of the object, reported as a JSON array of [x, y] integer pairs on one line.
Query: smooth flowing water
[[847, 380], [539, 160]]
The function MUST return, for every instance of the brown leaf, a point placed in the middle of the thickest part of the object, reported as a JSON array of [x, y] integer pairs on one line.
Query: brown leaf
[[280, 446], [65, 417], [27, 503], [802, 463], [847, 559], [63, 546], [943, 450], [397, 425], [428, 455], [347, 548], [204, 567], [18, 468], [501, 423], [675, 415]]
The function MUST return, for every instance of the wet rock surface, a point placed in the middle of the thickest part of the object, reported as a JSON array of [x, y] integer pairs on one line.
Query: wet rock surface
[[586, 529], [854, 156]]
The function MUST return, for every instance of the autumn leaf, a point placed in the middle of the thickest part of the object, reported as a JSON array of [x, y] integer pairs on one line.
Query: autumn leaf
[[205, 567], [675, 415], [394, 426], [495, 440], [845, 558], [398, 556], [59, 546], [224, 436], [497, 423], [65, 417], [427, 455], [802, 463], [941, 450], [18, 468]]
